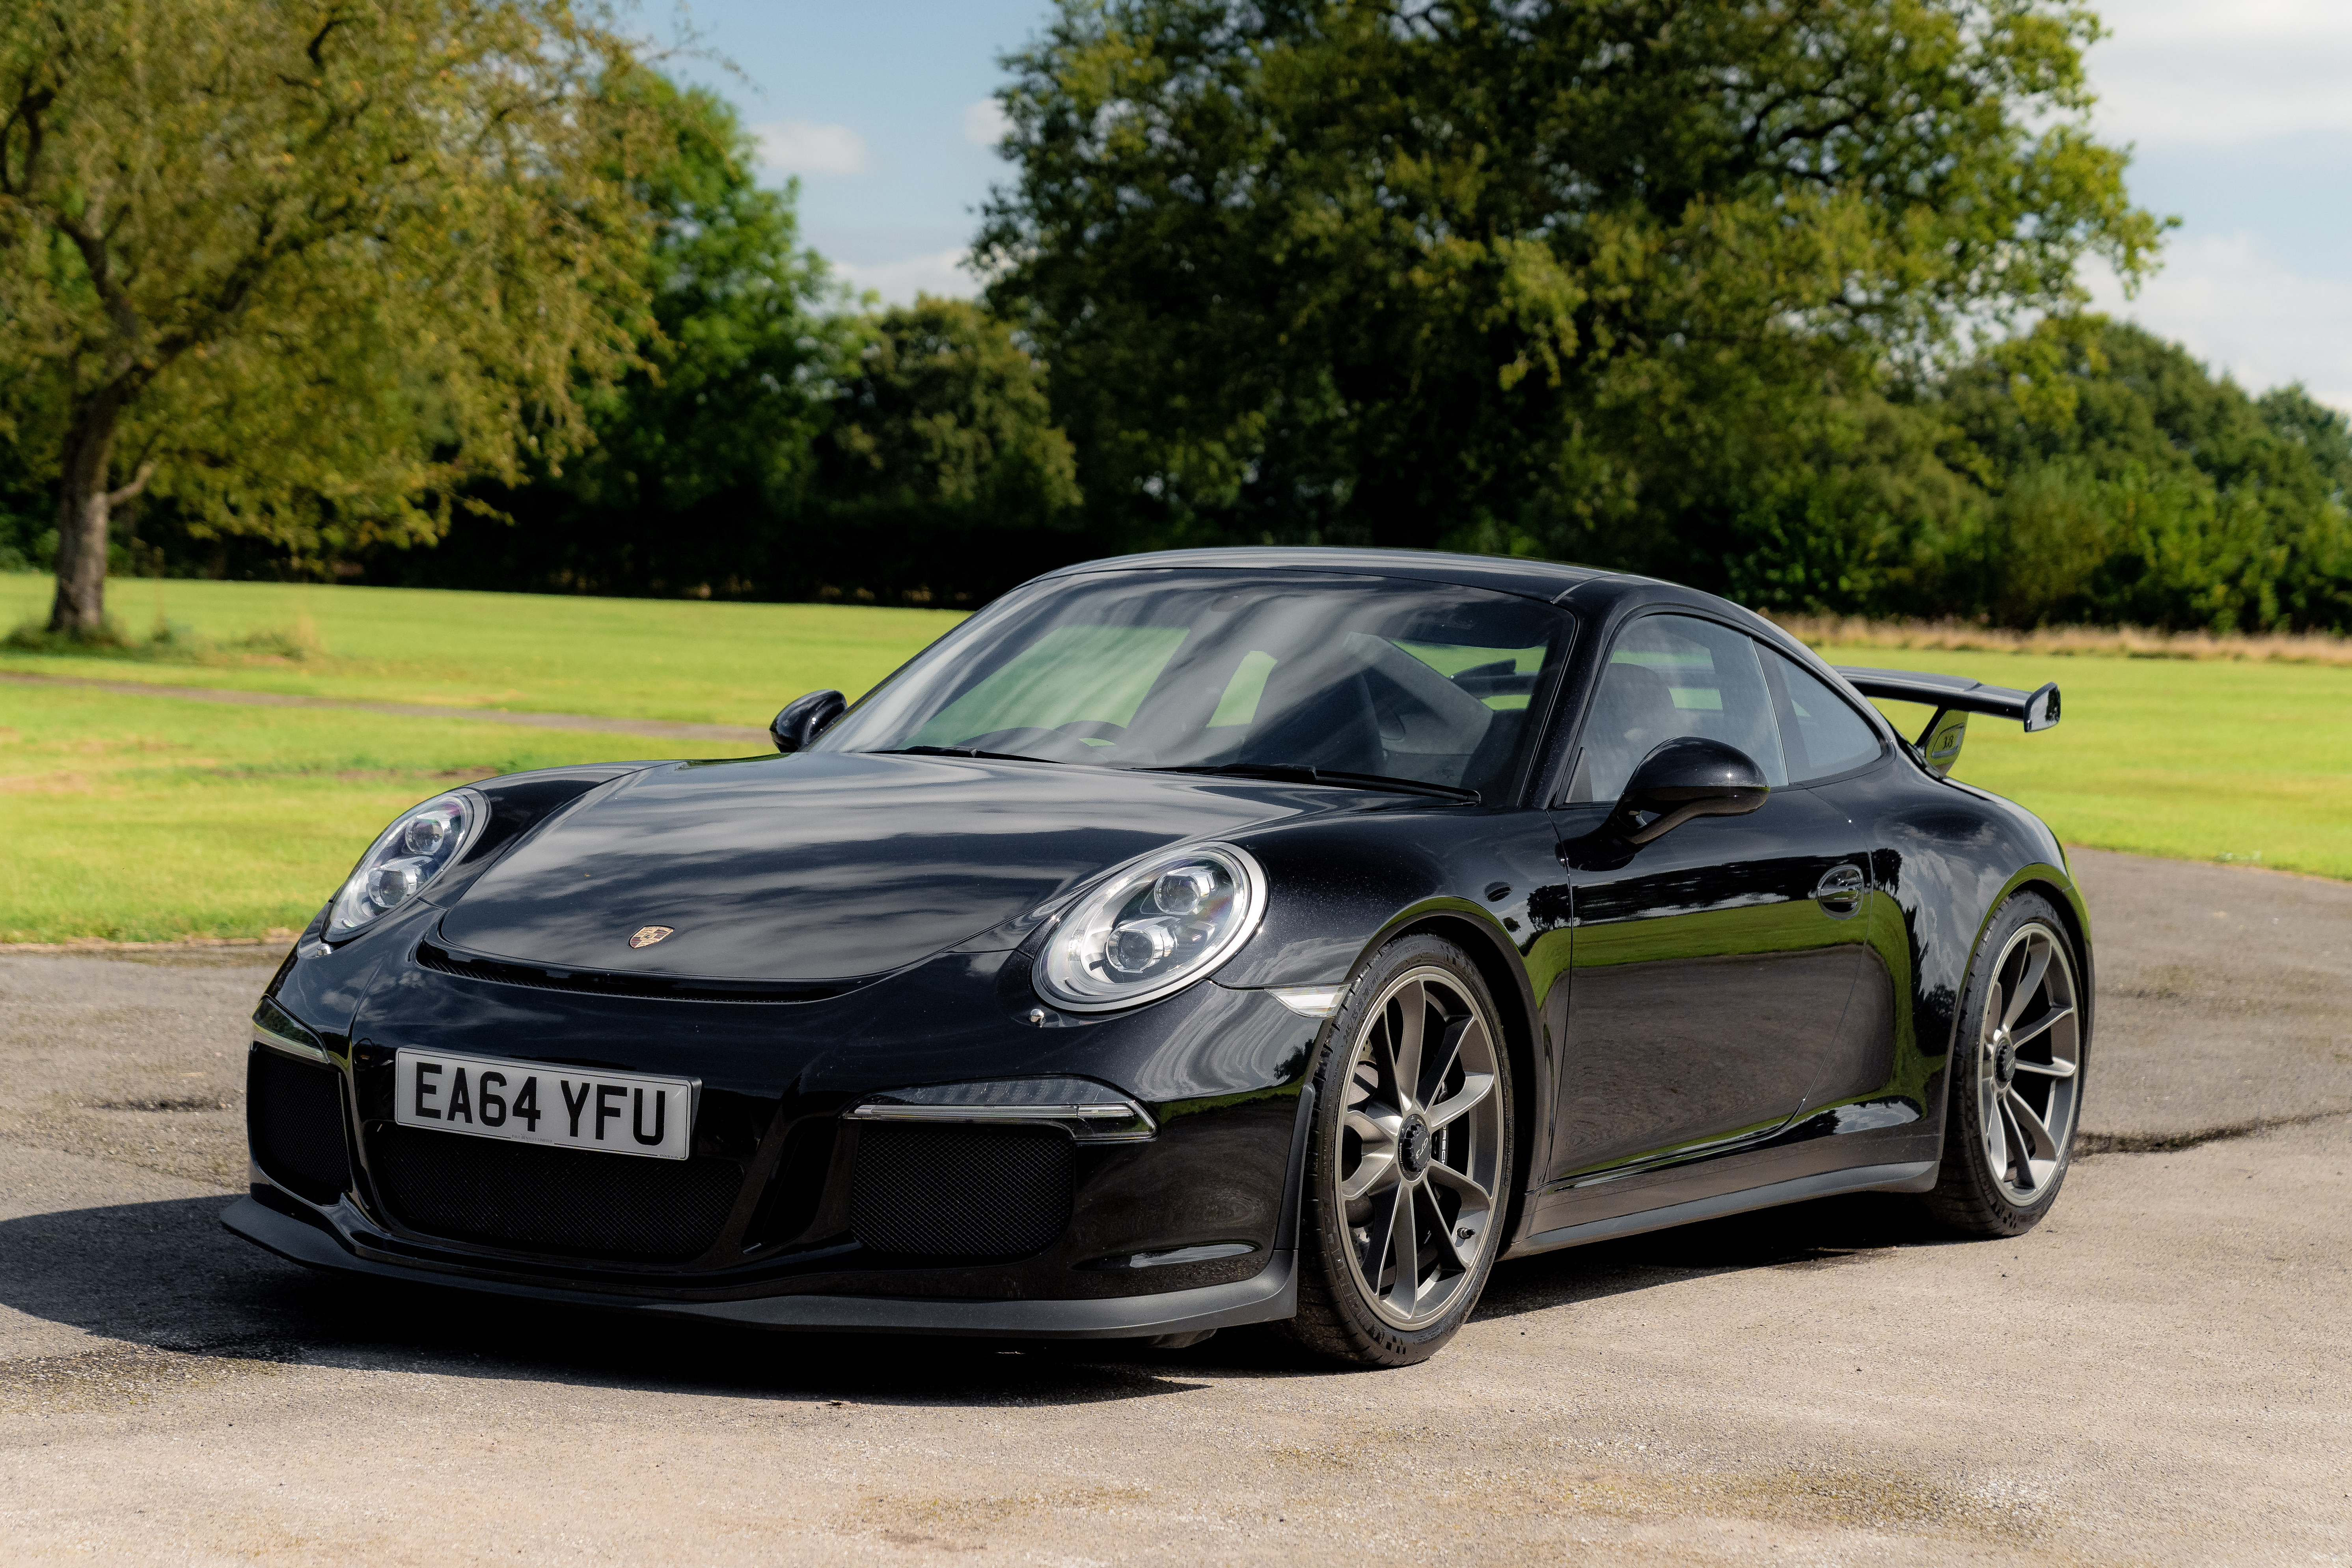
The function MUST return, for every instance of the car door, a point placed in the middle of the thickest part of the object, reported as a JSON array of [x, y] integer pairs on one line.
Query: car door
[[1711, 967], [1838, 756]]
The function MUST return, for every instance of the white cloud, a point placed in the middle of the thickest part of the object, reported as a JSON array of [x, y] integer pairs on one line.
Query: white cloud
[[2242, 312], [2176, 73], [804, 147], [984, 123], [940, 273]]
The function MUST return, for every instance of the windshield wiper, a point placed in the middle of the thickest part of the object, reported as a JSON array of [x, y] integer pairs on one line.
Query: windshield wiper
[[1299, 772], [961, 752]]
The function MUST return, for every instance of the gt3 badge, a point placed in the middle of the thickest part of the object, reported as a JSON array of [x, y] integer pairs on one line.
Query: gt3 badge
[[648, 935]]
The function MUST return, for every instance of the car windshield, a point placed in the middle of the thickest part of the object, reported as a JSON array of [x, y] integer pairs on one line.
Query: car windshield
[[1370, 676]]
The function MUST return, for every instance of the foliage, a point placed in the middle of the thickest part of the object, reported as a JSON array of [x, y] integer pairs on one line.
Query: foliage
[[942, 473], [698, 450], [1774, 298], [776, 445], [2122, 482], [1615, 280], [306, 264]]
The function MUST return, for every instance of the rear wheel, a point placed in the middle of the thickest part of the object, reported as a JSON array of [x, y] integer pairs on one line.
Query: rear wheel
[[2016, 1077], [1407, 1177]]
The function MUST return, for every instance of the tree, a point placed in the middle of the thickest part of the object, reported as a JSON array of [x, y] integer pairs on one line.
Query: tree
[[943, 477], [701, 453], [302, 265], [2125, 482], [1618, 280]]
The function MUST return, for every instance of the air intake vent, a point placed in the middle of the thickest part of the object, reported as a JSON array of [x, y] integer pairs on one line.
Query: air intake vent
[[604, 983], [294, 1120], [960, 1191], [552, 1200]]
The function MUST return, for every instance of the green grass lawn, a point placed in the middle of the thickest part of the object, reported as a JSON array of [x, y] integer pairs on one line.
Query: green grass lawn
[[2244, 762], [137, 817], [633, 659], [140, 818]]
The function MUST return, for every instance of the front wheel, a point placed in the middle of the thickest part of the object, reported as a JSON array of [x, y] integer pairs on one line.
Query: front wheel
[[1407, 1176], [2016, 1077]]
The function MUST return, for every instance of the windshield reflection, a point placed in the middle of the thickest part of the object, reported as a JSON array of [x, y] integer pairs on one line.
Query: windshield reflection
[[1362, 678]]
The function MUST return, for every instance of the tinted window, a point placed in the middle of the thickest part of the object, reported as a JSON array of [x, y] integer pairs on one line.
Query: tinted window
[[1183, 668], [1670, 676], [1825, 735]]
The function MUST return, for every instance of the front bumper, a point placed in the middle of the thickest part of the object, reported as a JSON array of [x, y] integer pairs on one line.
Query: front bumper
[[1190, 1226], [1273, 1293]]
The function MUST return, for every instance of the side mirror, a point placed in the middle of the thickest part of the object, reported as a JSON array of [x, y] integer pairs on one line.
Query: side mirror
[[804, 719], [1686, 778]]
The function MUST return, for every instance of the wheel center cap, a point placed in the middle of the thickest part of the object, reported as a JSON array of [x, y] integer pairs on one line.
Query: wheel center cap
[[1413, 1146], [2004, 1058]]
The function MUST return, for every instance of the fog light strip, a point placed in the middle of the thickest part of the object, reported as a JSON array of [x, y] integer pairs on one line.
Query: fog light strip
[[879, 1112], [1210, 1252], [279, 1030], [277, 1042]]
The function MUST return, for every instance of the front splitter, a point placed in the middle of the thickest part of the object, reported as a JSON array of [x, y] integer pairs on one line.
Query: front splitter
[[1271, 1294]]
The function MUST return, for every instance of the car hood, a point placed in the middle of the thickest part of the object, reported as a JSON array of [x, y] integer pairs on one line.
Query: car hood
[[826, 864]]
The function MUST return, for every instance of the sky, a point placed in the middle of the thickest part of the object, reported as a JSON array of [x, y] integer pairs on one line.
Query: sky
[[2239, 115]]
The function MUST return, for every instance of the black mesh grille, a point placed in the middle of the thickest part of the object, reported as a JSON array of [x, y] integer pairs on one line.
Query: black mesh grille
[[553, 1200], [294, 1120], [960, 1191]]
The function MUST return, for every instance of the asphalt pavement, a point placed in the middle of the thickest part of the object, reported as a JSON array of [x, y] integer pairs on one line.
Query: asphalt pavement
[[2162, 1372]]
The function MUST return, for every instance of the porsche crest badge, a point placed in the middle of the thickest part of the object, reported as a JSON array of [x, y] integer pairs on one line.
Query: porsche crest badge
[[648, 935]]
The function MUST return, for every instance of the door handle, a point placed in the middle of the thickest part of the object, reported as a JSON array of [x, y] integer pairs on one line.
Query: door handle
[[1840, 888]]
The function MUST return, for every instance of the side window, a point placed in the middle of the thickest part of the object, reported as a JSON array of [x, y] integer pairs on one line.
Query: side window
[[1670, 676], [1823, 734]]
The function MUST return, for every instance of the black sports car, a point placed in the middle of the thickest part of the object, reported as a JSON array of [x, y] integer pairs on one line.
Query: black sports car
[[1187, 941]]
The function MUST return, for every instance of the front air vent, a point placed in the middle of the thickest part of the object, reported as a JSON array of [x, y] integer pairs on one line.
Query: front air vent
[[567, 1201], [961, 1191], [604, 982], [294, 1123]]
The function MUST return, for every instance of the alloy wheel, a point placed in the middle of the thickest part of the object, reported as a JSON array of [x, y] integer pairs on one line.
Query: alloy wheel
[[1421, 1147], [2029, 1062]]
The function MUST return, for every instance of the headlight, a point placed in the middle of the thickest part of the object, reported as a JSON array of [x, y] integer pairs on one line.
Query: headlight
[[405, 858], [1153, 927]]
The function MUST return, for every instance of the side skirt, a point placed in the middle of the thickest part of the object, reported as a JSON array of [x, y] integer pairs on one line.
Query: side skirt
[[1917, 1176]]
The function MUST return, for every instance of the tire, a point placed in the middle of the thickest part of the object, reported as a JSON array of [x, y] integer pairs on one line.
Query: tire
[[1431, 1177], [2016, 1077]]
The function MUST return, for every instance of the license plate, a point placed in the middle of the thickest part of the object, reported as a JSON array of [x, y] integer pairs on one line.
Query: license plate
[[531, 1102]]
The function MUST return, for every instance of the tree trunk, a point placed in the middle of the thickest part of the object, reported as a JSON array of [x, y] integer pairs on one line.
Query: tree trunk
[[83, 510]]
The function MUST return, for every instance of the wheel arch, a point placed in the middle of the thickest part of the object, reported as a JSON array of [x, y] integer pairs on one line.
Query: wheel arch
[[1505, 975], [2052, 883], [2063, 897]]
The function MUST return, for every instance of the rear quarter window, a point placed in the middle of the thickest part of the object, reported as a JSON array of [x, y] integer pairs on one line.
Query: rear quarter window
[[1820, 732]]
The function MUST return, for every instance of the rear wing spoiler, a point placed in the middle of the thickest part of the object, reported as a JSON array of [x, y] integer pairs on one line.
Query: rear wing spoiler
[[1954, 698]]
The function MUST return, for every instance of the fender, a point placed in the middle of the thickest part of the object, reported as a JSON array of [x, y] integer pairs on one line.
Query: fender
[[1386, 873], [2043, 877], [322, 986], [1951, 856]]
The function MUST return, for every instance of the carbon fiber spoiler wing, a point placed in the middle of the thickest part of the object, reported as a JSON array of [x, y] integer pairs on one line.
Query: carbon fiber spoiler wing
[[1954, 698]]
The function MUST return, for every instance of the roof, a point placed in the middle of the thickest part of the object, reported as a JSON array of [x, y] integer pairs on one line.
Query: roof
[[1506, 573]]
